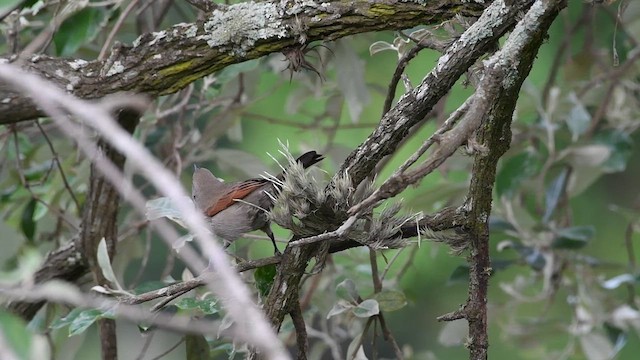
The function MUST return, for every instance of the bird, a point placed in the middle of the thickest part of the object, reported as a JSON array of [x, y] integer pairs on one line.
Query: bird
[[234, 209]]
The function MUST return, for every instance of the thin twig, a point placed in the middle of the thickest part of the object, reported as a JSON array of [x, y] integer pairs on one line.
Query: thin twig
[[312, 126], [25, 183], [402, 64], [163, 354], [361, 342], [395, 257], [188, 285], [388, 336], [454, 315], [562, 49], [449, 138], [204, 5], [58, 165], [336, 234], [377, 287], [145, 346], [168, 299], [373, 260], [116, 28]]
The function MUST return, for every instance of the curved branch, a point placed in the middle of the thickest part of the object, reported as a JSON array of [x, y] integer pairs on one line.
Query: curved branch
[[495, 21], [494, 103], [166, 61]]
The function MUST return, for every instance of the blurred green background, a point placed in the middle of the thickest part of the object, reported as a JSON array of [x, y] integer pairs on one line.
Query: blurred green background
[[537, 310]]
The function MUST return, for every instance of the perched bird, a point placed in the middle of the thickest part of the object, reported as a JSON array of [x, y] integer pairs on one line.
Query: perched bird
[[234, 209]]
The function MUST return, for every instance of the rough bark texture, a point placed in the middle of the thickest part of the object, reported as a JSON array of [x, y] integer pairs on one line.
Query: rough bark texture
[[504, 86], [99, 221], [166, 61]]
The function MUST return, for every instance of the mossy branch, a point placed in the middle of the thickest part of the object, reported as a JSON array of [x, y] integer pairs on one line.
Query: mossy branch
[[166, 61]]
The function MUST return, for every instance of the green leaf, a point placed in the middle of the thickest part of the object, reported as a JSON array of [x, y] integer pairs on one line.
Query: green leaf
[[578, 119], [6, 5], [79, 320], [619, 280], [459, 274], [621, 146], [355, 349], [16, 335], [187, 304], [531, 255], [617, 336], [574, 237], [390, 300], [351, 82], [339, 307], [264, 278], [207, 306], [28, 263], [196, 347], [105, 264], [78, 30], [164, 207], [499, 224], [514, 171], [27, 224], [366, 309], [346, 290], [85, 319], [553, 193]]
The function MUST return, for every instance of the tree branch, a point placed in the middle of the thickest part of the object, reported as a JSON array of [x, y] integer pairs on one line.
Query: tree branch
[[448, 218], [495, 21], [495, 101], [167, 61]]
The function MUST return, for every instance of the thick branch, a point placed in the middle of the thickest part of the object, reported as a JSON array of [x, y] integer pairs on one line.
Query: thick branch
[[167, 61], [99, 221], [498, 93]]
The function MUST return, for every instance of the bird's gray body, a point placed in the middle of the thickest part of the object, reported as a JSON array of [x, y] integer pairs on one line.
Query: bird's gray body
[[246, 215], [235, 209]]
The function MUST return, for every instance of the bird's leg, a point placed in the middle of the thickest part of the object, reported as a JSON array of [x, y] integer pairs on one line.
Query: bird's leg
[[267, 230]]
